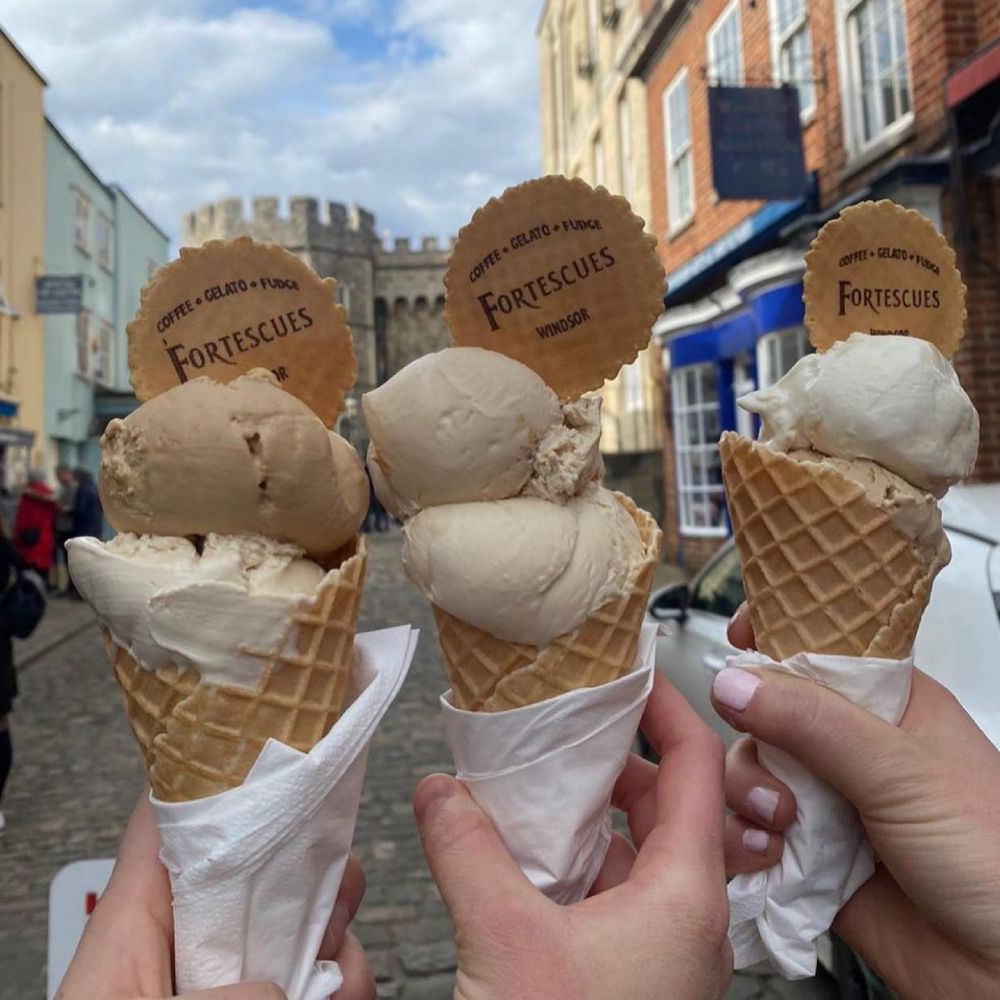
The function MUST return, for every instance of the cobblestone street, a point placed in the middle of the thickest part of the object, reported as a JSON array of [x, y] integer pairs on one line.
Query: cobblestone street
[[77, 774]]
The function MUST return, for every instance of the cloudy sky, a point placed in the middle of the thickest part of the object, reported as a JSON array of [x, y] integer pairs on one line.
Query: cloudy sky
[[419, 110]]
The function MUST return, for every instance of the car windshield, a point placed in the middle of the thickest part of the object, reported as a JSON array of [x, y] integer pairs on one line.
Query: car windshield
[[720, 588]]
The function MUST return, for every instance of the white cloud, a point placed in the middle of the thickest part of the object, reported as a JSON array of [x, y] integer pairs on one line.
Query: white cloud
[[419, 110]]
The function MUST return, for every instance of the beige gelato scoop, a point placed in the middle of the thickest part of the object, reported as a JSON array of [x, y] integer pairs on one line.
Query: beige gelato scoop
[[232, 459]]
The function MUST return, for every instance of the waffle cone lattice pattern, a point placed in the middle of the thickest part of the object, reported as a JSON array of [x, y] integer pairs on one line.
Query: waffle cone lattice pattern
[[488, 674], [825, 570], [199, 739]]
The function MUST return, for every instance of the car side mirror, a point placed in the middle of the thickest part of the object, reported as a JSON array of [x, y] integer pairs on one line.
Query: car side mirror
[[671, 605]]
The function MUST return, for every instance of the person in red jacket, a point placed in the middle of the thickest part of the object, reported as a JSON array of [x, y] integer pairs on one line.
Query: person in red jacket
[[35, 524]]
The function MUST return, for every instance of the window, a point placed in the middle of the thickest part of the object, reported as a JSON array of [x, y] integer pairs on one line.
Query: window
[[566, 45], [792, 45], [83, 343], [625, 145], [81, 223], [725, 49], [696, 441], [680, 161], [632, 385], [597, 153], [777, 352], [878, 75], [105, 242], [344, 296], [103, 356], [558, 106], [592, 29]]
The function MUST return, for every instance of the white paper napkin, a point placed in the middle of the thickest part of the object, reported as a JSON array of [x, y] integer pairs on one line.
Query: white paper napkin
[[255, 870], [777, 915], [544, 773]]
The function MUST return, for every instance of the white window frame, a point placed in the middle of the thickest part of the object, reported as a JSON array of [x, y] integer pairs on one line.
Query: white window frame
[[683, 451], [81, 222], [105, 250], [625, 145], [597, 160], [779, 41], [84, 347], [633, 387], [675, 220], [778, 351], [731, 10], [851, 97], [104, 355]]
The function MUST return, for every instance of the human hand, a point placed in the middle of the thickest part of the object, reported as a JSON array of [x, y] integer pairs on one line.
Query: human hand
[[928, 794], [655, 927], [126, 952]]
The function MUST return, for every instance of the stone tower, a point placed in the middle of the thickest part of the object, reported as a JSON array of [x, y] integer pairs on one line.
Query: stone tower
[[394, 298]]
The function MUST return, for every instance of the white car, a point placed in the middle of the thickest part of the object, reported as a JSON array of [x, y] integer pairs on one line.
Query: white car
[[958, 642]]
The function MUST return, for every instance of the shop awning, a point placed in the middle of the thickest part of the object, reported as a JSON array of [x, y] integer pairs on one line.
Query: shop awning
[[976, 73]]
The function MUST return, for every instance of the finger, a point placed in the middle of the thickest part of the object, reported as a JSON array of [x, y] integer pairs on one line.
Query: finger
[[740, 631], [352, 886], [753, 792], [635, 795], [617, 865], [466, 856], [127, 942], [844, 745], [359, 983], [688, 825], [245, 991], [750, 848]]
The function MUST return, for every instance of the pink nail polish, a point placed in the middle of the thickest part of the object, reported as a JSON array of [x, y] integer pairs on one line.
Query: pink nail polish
[[734, 688], [763, 802], [756, 840]]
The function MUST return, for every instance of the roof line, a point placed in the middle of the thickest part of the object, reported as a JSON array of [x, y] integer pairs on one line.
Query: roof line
[[93, 173], [116, 187], [34, 69]]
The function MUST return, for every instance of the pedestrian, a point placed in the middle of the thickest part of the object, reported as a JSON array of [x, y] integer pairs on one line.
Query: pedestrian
[[64, 525], [35, 524], [8, 678], [88, 516]]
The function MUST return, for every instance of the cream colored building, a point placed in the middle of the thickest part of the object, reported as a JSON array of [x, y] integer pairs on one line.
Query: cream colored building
[[594, 127], [22, 249]]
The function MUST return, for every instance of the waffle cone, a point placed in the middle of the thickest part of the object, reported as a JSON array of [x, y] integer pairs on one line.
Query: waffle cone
[[825, 569], [199, 739], [488, 674]]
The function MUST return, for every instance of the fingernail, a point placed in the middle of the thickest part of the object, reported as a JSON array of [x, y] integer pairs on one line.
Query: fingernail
[[431, 792], [763, 802], [734, 688], [756, 840], [738, 612]]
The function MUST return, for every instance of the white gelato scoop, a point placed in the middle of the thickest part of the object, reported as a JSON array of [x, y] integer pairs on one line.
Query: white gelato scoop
[[894, 400], [465, 425], [524, 569], [220, 611]]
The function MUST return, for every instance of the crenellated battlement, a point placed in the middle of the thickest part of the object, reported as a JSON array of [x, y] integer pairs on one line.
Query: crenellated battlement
[[303, 220]]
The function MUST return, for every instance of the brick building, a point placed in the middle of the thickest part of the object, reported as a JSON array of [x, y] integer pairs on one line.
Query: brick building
[[898, 99]]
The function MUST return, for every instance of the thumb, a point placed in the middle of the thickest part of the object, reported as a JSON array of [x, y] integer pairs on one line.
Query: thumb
[[847, 747], [467, 858]]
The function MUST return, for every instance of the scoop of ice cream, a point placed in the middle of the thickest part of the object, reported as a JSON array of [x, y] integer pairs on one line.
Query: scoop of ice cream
[[914, 511], [569, 456], [523, 569], [241, 458], [894, 400], [466, 424], [221, 610]]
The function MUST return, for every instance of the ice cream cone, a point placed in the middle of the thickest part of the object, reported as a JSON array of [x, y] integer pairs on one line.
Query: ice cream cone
[[199, 739], [488, 674], [826, 570]]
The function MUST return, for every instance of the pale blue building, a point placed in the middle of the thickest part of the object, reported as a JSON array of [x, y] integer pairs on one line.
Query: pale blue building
[[95, 230]]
